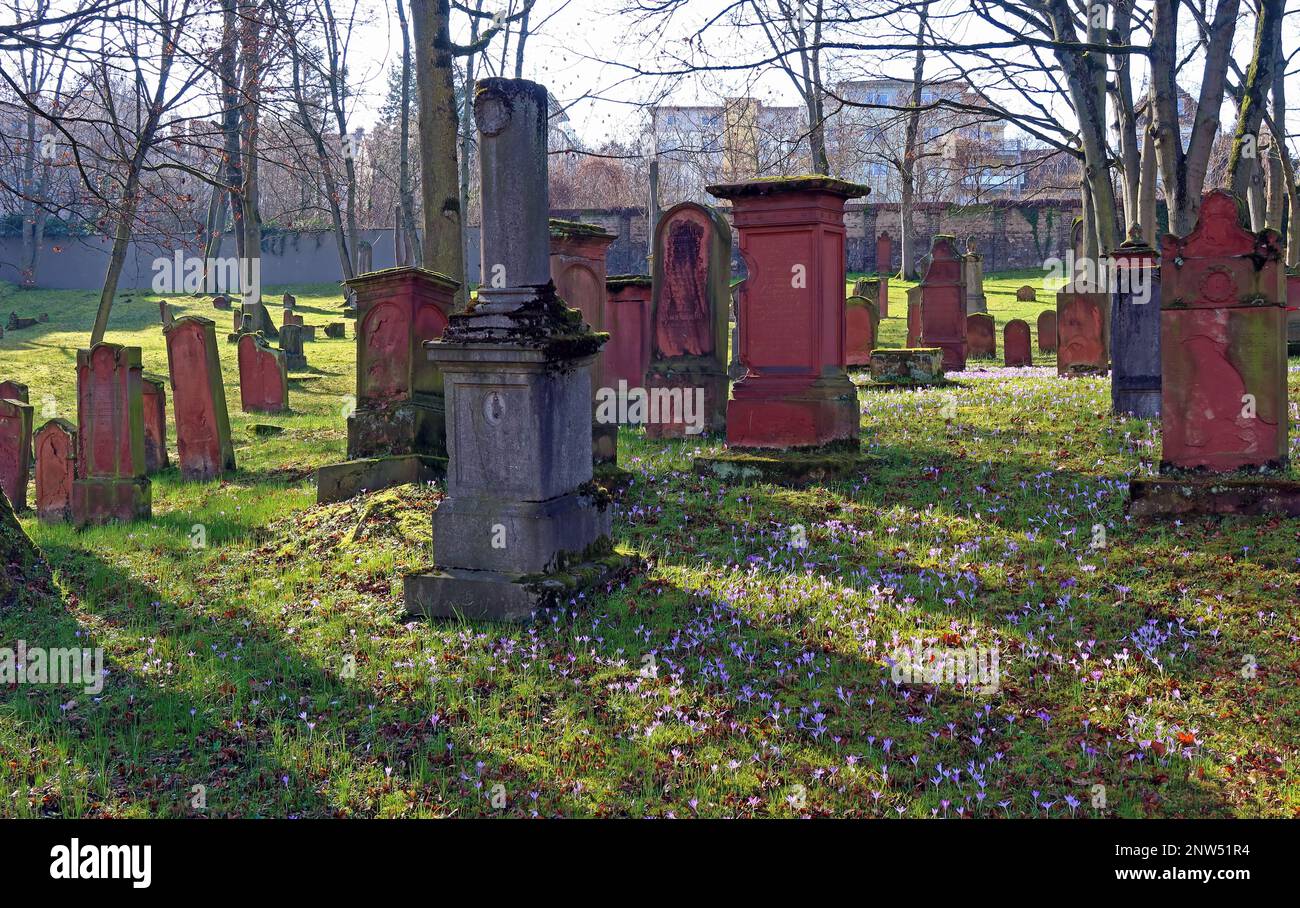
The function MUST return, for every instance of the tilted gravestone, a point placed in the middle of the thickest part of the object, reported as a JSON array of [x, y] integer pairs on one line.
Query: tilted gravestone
[[578, 272], [154, 401], [1135, 331], [943, 304], [111, 483], [981, 336], [15, 450], [56, 470], [972, 264], [1047, 331], [861, 325], [1015, 344], [1222, 329], [263, 376], [522, 525], [796, 393], [627, 355], [692, 266], [203, 443]]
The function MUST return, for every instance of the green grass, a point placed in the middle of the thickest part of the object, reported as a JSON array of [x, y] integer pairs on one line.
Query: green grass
[[741, 675]]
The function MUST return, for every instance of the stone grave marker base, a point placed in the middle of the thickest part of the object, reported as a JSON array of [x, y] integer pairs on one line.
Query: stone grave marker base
[[409, 426], [714, 416], [96, 501], [793, 468], [908, 366], [793, 413], [1181, 497], [341, 481]]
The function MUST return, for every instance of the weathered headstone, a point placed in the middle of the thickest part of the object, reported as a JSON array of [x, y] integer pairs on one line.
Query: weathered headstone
[[291, 343], [18, 323], [875, 289], [1047, 331], [692, 266], [916, 365], [578, 272], [222, 302], [861, 325], [203, 444], [522, 525], [111, 483], [1082, 331], [289, 317], [1222, 324], [943, 304], [1135, 331], [1015, 344], [15, 390], [289, 301], [258, 319], [884, 253], [981, 336], [914, 316], [1077, 239], [336, 329], [627, 355], [972, 265], [263, 376], [796, 393], [153, 395], [15, 450], [56, 470], [1026, 294], [1293, 312], [365, 257]]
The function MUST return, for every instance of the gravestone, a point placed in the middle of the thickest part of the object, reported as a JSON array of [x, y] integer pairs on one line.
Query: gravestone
[[1077, 239], [56, 470], [111, 483], [690, 296], [256, 318], [981, 336], [291, 343], [796, 393], [18, 323], [1082, 331], [289, 301], [154, 401], [398, 431], [15, 450], [884, 253], [203, 444], [263, 376], [914, 316], [222, 302], [336, 329], [972, 264], [365, 257], [914, 366], [627, 355], [15, 390], [1293, 313], [578, 272], [1222, 324], [860, 325], [875, 289], [1047, 331], [1135, 331], [1015, 344], [943, 304], [1026, 294], [290, 318], [522, 525]]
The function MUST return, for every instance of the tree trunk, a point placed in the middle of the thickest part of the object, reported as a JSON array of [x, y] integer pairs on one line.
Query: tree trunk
[[1245, 175], [441, 242], [907, 172], [404, 197]]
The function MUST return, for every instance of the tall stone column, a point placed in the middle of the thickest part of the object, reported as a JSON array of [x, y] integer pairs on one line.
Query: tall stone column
[[522, 525]]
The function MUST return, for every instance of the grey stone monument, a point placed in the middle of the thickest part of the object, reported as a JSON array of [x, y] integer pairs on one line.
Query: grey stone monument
[[291, 344], [522, 525], [972, 266], [1135, 375]]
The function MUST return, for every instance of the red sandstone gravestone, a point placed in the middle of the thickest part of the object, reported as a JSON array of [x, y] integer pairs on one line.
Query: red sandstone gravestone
[[860, 325], [1082, 331], [203, 442], [56, 470], [1293, 312], [943, 304], [690, 298], [627, 355], [578, 271], [914, 316], [981, 337], [15, 450], [1047, 331], [884, 253], [796, 392], [263, 376], [1223, 358], [1015, 344], [111, 483], [154, 397], [15, 390]]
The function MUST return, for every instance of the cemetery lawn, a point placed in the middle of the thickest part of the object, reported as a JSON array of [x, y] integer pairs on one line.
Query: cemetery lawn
[[256, 645]]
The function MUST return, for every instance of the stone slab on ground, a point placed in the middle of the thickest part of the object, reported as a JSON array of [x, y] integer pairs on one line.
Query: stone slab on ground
[[794, 469], [913, 365], [1181, 497], [341, 481]]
